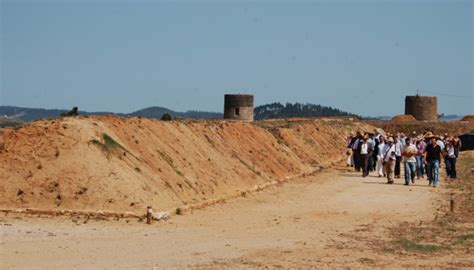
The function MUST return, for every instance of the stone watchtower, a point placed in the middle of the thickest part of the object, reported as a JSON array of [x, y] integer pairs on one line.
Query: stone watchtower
[[423, 108], [238, 107]]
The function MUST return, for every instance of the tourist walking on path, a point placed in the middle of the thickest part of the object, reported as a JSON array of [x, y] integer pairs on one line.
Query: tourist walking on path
[[356, 151], [450, 159], [372, 144], [398, 156], [380, 148], [389, 159], [420, 146], [402, 139], [432, 159], [414, 137], [365, 153], [350, 162], [409, 161], [457, 145]]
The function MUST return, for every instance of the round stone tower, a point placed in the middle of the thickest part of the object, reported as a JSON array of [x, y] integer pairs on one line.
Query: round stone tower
[[423, 108], [238, 107]]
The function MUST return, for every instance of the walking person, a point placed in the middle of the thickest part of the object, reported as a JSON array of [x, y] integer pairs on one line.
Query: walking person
[[420, 153], [356, 150], [365, 153], [380, 149], [432, 159], [457, 145], [350, 163], [450, 159], [402, 138], [409, 161], [389, 159], [414, 137], [372, 143], [398, 156]]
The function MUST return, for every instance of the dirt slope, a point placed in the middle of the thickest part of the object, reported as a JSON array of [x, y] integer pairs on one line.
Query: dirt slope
[[123, 164]]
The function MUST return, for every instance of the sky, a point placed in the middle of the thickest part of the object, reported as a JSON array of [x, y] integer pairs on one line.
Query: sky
[[120, 56]]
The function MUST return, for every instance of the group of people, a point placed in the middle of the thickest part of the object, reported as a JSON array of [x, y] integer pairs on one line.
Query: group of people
[[420, 154]]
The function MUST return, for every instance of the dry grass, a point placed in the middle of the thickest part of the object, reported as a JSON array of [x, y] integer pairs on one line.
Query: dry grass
[[449, 232], [109, 146]]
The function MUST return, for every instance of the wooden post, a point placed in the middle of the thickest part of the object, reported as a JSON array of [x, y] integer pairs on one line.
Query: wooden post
[[451, 203], [149, 213]]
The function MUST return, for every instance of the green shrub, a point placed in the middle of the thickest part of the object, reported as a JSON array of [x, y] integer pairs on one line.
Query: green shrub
[[109, 145], [166, 117]]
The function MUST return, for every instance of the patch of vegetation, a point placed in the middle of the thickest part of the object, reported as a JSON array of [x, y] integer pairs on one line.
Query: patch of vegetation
[[464, 240], [138, 169], [166, 117], [250, 167], [170, 162], [468, 236], [411, 246], [178, 172], [109, 146], [450, 232], [388, 250], [209, 140], [166, 157]]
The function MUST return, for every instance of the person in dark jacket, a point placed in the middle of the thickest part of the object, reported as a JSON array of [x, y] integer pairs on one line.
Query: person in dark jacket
[[365, 150], [432, 160], [355, 150]]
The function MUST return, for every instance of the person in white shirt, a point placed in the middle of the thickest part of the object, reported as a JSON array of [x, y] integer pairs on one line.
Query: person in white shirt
[[440, 143], [380, 148], [409, 161], [389, 160], [402, 138]]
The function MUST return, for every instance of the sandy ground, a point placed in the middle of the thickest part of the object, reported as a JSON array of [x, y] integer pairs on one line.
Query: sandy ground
[[306, 223]]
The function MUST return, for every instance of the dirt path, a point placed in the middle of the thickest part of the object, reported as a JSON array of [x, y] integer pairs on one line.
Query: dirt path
[[303, 223]]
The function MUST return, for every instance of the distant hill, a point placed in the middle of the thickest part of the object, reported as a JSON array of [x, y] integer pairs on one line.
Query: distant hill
[[31, 114], [451, 117], [157, 112], [268, 111], [278, 110]]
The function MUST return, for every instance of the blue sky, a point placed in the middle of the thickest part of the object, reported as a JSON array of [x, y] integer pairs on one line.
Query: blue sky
[[359, 56]]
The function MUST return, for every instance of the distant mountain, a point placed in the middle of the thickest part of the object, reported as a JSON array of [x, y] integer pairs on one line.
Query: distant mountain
[[278, 110], [31, 114], [451, 117], [27, 114], [157, 112], [268, 111]]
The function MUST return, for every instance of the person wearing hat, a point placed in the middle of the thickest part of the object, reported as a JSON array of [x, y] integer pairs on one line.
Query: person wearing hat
[[432, 160], [420, 153], [389, 160]]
